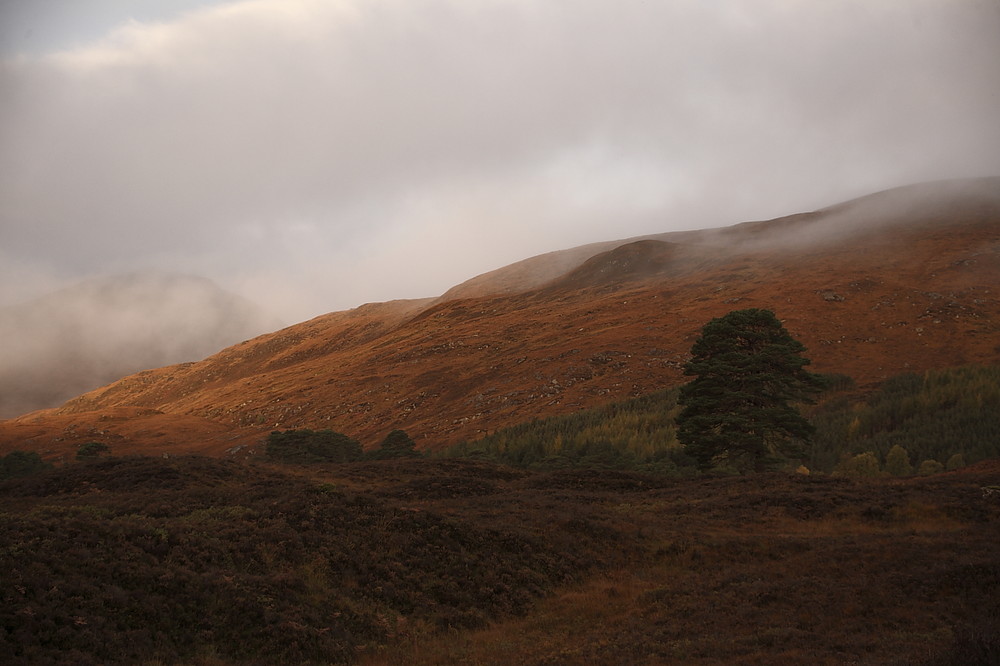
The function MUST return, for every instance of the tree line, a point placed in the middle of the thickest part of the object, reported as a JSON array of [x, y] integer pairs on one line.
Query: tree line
[[946, 417], [749, 407], [637, 434]]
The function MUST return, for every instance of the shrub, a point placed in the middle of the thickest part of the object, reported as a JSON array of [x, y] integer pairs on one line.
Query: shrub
[[837, 382], [225, 563], [929, 467], [91, 451], [639, 431], [312, 446], [21, 463]]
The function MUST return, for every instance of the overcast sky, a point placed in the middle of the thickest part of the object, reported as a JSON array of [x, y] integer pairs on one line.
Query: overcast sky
[[317, 154]]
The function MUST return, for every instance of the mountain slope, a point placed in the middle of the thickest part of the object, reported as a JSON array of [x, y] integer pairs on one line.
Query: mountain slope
[[900, 281]]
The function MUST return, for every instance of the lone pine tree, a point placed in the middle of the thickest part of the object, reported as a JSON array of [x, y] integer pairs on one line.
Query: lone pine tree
[[397, 444], [739, 410]]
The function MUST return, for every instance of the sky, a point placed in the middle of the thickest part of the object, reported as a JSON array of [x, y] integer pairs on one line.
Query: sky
[[314, 155]]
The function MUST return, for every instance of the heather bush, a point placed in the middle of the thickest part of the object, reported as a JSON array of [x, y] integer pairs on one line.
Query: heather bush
[[92, 450]]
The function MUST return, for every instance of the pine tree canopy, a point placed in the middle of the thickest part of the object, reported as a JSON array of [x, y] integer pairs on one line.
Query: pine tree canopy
[[739, 409], [395, 445]]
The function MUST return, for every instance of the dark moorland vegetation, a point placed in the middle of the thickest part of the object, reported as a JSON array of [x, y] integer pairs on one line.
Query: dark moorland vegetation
[[203, 561], [131, 559]]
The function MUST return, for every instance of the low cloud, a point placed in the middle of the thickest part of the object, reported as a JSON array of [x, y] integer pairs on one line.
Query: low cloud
[[78, 339], [322, 154]]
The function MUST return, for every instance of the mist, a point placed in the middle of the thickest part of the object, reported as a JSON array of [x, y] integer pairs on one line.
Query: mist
[[312, 156], [80, 338]]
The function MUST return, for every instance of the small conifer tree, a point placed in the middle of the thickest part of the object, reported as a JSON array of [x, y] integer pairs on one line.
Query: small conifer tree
[[397, 444]]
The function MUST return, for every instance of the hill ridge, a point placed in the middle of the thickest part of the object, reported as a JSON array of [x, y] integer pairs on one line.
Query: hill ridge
[[913, 289], [528, 274]]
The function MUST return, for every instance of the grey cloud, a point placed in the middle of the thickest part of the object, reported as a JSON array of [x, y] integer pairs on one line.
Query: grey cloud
[[340, 152], [77, 339]]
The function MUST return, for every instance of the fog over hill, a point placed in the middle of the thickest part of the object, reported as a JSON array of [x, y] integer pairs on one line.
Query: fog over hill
[[313, 156], [78, 338], [902, 207], [900, 281]]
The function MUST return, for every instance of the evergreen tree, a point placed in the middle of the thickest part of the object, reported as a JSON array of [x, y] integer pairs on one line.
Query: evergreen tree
[[397, 444], [934, 414], [21, 463], [738, 410]]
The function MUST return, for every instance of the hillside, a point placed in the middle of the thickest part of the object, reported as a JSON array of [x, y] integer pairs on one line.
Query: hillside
[[899, 281], [84, 336]]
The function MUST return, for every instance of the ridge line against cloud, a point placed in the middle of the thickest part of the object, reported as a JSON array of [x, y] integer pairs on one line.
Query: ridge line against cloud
[[317, 155]]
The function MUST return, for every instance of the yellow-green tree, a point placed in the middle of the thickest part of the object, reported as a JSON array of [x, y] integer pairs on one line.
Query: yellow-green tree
[[929, 467], [861, 466], [897, 462]]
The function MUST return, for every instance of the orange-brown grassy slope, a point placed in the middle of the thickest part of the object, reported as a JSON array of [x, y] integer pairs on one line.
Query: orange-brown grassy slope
[[901, 281]]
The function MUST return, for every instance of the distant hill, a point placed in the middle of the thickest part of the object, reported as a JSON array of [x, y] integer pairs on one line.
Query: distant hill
[[899, 281], [89, 334]]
